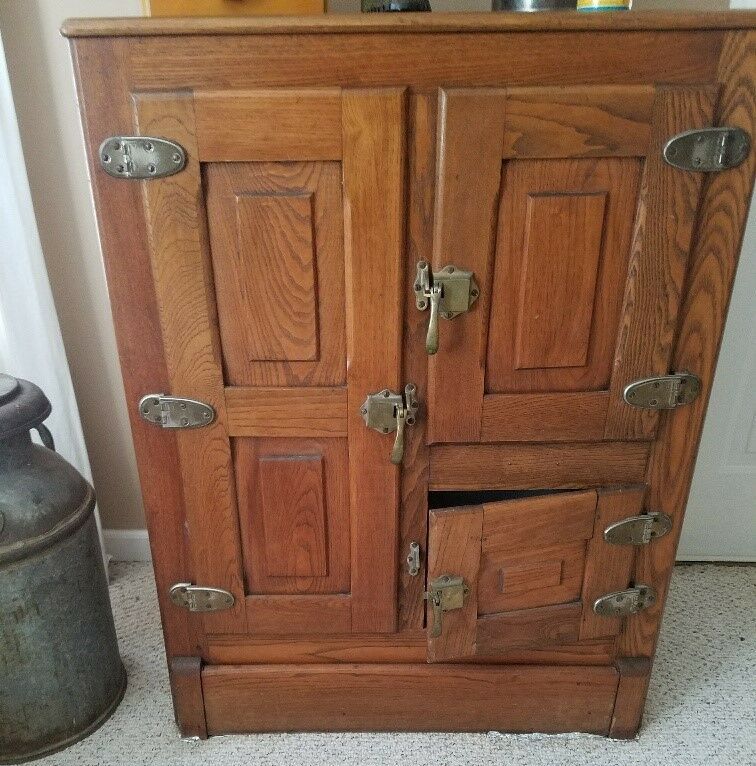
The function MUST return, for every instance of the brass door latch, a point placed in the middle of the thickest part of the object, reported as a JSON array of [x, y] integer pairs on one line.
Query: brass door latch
[[449, 293], [445, 593], [386, 412]]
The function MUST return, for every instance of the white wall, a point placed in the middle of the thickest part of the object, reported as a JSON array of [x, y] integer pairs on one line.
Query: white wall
[[42, 81]]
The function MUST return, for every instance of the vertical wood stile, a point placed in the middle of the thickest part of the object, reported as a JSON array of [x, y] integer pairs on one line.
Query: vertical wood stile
[[374, 221], [183, 285], [470, 138], [659, 257], [702, 318]]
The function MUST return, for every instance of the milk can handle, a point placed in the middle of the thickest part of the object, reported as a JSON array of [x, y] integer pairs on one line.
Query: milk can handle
[[45, 436]]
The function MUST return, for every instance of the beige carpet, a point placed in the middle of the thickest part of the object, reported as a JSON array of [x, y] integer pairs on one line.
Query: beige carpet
[[701, 708]]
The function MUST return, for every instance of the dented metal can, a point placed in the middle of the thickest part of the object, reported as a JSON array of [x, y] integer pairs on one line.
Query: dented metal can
[[61, 675]]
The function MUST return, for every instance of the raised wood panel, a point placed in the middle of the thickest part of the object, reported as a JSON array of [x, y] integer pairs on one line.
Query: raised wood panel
[[281, 125], [298, 614], [660, 249], [608, 567], [294, 515], [534, 577], [529, 627], [275, 274], [469, 153], [537, 522], [276, 233], [702, 317], [181, 271], [374, 169], [454, 538], [571, 416], [562, 250], [578, 122], [563, 234], [526, 466], [319, 412], [405, 697]]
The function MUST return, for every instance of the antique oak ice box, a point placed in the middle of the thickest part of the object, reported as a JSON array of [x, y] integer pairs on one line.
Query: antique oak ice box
[[418, 317]]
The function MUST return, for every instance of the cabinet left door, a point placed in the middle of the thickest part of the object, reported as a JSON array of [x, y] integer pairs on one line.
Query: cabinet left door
[[275, 258]]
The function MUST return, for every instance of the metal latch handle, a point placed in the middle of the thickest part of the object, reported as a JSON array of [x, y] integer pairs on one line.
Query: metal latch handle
[[449, 293], [387, 411]]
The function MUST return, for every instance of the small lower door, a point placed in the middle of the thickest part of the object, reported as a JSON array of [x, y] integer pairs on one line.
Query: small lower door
[[531, 568]]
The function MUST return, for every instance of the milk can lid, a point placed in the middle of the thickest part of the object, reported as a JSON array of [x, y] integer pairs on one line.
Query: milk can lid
[[22, 406]]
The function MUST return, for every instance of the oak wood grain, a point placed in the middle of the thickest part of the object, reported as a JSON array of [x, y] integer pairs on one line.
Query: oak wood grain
[[469, 151], [374, 169], [661, 244], [293, 515], [543, 626], [102, 75], [538, 522], [303, 615], [532, 577], [557, 288], [578, 122], [718, 238], [454, 542], [409, 646], [280, 125], [608, 568], [405, 697], [186, 690], [278, 271], [570, 416], [534, 466], [286, 411], [294, 506], [635, 674], [456, 22], [414, 479], [174, 210]]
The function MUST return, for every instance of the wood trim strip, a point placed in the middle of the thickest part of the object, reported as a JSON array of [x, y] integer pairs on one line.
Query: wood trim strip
[[306, 412], [575, 416], [667, 210], [352, 697], [536, 466], [428, 24], [181, 271], [592, 121], [408, 646], [374, 170], [285, 615], [188, 701], [714, 259], [281, 125]]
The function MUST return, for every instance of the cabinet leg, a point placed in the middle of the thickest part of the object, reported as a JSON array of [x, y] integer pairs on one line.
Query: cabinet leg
[[635, 673], [188, 702]]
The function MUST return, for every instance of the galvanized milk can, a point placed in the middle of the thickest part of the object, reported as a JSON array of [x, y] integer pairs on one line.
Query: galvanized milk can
[[60, 672]]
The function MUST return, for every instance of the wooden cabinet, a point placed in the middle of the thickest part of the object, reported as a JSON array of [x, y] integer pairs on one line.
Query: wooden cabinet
[[275, 279]]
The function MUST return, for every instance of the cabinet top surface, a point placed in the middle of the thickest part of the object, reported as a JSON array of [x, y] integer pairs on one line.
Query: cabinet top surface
[[411, 23]]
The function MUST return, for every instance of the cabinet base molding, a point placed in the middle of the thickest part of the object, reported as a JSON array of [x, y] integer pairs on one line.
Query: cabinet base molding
[[635, 673], [295, 698], [188, 703]]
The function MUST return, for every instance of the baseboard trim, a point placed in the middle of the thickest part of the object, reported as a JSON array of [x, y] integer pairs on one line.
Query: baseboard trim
[[127, 544]]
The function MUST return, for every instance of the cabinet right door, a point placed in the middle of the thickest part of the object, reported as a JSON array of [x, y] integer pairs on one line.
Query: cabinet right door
[[578, 233]]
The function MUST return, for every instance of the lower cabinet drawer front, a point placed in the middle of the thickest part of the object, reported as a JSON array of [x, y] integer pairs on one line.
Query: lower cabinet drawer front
[[351, 697]]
